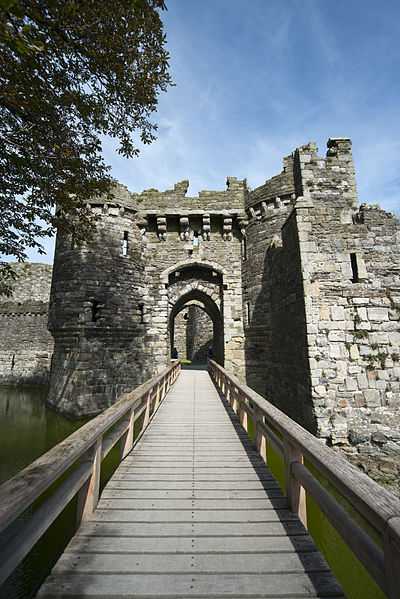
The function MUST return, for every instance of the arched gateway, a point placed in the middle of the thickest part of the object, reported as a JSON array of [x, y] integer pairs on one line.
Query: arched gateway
[[197, 337], [201, 286]]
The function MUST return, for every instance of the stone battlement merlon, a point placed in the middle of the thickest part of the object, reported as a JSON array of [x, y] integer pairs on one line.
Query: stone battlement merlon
[[207, 200], [326, 178], [268, 208]]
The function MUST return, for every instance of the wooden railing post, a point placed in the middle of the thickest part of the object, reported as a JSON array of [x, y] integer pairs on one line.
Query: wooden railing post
[[157, 397], [242, 411], [391, 548], [294, 490], [177, 370], [163, 388], [88, 496], [168, 381], [259, 438], [228, 394], [147, 412], [127, 437], [234, 400]]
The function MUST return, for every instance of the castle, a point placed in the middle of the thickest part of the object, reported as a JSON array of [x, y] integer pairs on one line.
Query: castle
[[293, 283]]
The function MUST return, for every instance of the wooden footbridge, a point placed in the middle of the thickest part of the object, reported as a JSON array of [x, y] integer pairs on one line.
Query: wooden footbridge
[[193, 510]]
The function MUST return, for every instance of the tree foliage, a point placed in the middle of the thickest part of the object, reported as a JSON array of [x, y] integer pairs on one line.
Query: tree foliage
[[70, 72]]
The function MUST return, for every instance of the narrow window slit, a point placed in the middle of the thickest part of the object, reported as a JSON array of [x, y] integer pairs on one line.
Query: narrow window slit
[[354, 267], [125, 244], [95, 311], [248, 313], [244, 248], [141, 309]]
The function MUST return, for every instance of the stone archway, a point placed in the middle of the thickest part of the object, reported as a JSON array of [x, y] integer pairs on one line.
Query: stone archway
[[201, 299]]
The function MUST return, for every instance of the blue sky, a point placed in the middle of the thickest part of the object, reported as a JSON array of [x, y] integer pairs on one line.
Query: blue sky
[[256, 79]]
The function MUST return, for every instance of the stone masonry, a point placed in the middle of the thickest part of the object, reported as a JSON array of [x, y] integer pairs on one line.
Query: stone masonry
[[26, 346], [294, 284], [193, 334], [323, 309], [114, 301]]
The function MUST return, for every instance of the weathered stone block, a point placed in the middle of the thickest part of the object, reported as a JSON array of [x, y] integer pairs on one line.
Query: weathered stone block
[[378, 314], [372, 397]]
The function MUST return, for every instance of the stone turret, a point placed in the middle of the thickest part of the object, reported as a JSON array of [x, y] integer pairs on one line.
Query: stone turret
[[96, 314]]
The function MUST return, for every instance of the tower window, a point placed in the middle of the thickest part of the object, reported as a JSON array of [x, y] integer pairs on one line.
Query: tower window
[[141, 309], [125, 244], [354, 268], [248, 313], [195, 238], [95, 311], [244, 248]]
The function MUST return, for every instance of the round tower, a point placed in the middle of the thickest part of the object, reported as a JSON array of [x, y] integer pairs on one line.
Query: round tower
[[97, 314]]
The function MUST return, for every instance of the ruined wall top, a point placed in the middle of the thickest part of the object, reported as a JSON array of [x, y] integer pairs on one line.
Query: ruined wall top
[[175, 201], [31, 285], [304, 173]]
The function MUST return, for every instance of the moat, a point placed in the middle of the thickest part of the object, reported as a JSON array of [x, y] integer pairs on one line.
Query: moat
[[27, 430]]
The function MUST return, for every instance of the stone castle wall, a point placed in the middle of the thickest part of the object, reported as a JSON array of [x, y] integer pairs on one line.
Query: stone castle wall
[[267, 212], [180, 331], [26, 346], [199, 335], [295, 285], [322, 297], [192, 254], [193, 334], [350, 259], [103, 342], [114, 300]]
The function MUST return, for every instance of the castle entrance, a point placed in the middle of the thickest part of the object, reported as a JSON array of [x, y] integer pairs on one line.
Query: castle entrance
[[195, 325], [195, 314]]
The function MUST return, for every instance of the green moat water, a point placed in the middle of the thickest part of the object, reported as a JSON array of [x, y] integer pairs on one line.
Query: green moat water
[[353, 577], [28, 429]]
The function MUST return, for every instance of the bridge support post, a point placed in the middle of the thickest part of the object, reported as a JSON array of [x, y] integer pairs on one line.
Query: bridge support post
[[228, 395], [242, 412], [148, 405], [157, 397], [295, 492], [169, 383], [88, 495], [127, 438], [259, 438], [234, 399], [391, 548]]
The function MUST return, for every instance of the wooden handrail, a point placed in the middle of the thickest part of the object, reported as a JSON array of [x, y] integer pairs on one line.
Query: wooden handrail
[[379, 507], [86, 443]]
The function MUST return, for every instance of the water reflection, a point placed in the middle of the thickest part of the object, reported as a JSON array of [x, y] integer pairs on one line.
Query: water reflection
[[27, 430]]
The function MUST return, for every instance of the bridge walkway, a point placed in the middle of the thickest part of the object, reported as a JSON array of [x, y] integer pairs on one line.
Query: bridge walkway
[[193, 511]]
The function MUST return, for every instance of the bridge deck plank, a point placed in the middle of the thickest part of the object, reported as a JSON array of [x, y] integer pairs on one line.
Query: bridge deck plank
[[192, 512]]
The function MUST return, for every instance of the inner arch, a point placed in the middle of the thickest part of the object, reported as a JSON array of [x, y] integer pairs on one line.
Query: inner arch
[[197, 297]]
